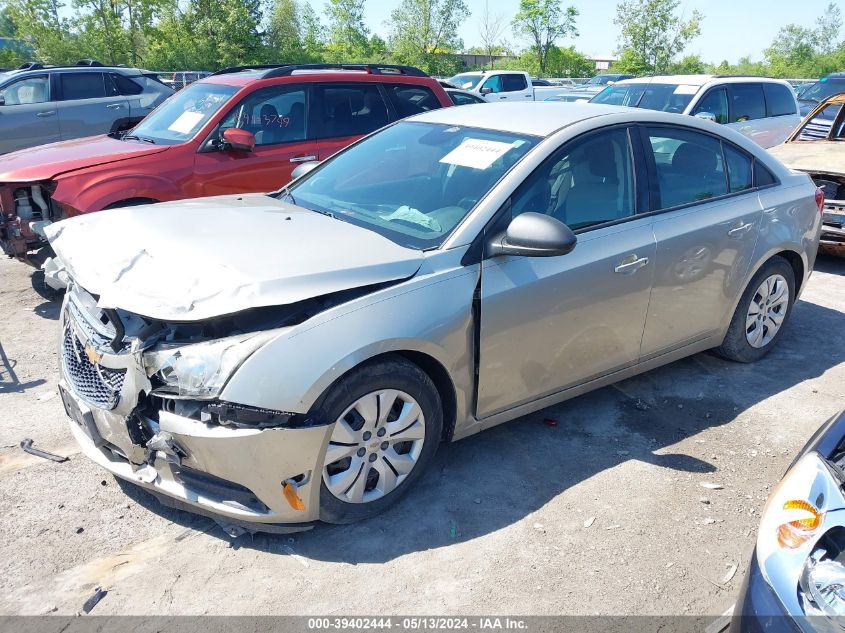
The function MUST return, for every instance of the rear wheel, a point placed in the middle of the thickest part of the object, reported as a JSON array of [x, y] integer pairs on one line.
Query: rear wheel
[[761, 314], [388, 420]]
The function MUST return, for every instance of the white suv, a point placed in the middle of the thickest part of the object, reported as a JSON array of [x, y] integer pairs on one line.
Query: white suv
[[763, 109]]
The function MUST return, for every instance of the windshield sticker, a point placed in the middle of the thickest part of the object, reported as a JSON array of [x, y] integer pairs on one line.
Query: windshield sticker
[[686, 90], [476, 153], [186, 122]]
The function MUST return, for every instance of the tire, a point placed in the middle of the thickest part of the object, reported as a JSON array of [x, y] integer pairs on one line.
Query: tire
[[367, 462], [736, 346]]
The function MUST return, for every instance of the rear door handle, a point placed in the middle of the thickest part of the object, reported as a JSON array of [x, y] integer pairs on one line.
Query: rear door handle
[[114, 106], [631, 264], [739, 230], [302, 159], [46, 113]]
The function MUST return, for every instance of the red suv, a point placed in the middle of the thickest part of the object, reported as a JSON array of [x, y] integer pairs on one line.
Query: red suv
[[240, 130]]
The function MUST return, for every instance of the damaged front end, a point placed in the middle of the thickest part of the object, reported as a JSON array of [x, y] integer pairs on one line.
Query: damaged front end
[[25, 209], [833, 216], [142, 396]]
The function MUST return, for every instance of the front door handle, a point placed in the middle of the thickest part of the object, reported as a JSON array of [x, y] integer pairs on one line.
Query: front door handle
[[631, 264], [114, 106], [739, 230], [46, 113], [302, 159]]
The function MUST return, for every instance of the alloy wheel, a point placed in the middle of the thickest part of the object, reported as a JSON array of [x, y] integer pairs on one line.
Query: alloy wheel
[[767, 311], [374, 446]]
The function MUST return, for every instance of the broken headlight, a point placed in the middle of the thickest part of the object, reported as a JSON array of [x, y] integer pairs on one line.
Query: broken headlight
[[822, 584], [201, 370]]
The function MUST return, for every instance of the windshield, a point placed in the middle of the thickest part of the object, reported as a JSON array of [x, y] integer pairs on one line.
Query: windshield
[[412, 182], [649, 96], [822, 89], [183, 115], [467, 81]]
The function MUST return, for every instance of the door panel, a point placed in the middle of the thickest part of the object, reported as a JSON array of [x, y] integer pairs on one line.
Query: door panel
[[344, 112], [88, 106], [703, 250], [29, 117], [277, 118], [552, 323], [548, 323]]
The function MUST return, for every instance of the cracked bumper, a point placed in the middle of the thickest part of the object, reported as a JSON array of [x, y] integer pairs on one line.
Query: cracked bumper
[[233, 475]]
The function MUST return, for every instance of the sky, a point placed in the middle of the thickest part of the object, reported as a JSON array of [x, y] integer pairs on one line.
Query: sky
[[731, 28]]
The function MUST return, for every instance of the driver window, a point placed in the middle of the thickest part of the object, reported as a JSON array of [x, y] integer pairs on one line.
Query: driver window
[[587, 182], [27, 91], [274, 115], [715, 102], [494, 84]]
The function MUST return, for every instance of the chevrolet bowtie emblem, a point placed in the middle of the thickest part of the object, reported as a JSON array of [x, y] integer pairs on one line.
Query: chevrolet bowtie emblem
[[93, 355]]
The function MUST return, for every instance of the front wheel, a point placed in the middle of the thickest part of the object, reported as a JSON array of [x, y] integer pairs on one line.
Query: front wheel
[[761, 314], [388, 422]]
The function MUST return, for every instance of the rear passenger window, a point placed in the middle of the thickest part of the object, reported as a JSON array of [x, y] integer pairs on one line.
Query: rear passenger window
[[762, 176], [779, 100], [513, 83], [739, 169], [587, 182], [349, 110], [82, 86], [747, 102], [126, 86], [689, 166], [410, 100]]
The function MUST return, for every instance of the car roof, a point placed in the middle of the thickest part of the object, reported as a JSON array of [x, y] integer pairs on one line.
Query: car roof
[[700, 80], [533, 119]]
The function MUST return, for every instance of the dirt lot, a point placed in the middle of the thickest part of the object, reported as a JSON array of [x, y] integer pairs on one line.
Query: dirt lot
[[602, 514]]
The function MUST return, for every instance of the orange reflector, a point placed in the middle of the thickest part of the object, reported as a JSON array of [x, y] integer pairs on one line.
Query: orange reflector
[[796, 533], [293, 498]]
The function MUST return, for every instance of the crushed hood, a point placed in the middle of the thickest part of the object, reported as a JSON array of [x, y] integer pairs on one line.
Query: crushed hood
[[824, 157], [48, 161], [195, 259]]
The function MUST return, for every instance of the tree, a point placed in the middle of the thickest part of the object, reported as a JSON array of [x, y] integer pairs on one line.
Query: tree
[[689, 65], [544, 22], [349, 36], [313, 33], [284, 33], [425, 33], [491, 27], [7, 23], [40, 26], [653, 34], [828, 26]]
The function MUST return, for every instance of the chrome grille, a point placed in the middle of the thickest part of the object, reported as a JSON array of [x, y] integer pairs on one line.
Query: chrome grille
[[96, 385]]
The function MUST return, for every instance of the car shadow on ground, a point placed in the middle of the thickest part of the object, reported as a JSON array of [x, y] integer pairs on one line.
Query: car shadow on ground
[[9, 381], [831, 264], [487, 482]]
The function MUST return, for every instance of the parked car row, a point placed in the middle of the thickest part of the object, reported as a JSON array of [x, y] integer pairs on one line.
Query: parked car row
[[241, 130], [490, 261]]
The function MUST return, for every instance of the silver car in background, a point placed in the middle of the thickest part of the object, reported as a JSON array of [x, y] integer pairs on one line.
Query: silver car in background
[[281, 359], [45, 104]]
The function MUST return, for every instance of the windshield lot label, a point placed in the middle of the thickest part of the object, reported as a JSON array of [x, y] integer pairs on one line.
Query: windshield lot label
[[476, 153]]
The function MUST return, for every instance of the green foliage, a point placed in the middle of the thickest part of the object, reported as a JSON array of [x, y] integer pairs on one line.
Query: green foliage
[[40, 26], [8, 28], [544, 22], [349, 35], [689, 65], [653, 35], [800, 51], [424, 33]]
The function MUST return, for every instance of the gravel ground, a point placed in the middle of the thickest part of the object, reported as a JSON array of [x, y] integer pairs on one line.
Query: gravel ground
[[604, 513]]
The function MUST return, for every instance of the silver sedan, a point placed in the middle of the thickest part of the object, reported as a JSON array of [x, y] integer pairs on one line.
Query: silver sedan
[[277, 360]]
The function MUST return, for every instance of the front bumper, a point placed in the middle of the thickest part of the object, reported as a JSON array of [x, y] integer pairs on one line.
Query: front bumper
[[235, 475], [758, 609]]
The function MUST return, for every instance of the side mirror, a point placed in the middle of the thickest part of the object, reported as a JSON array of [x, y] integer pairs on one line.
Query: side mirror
[[486, 91], [534, 235], [304, 168], [707, 116], [239, 140]]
